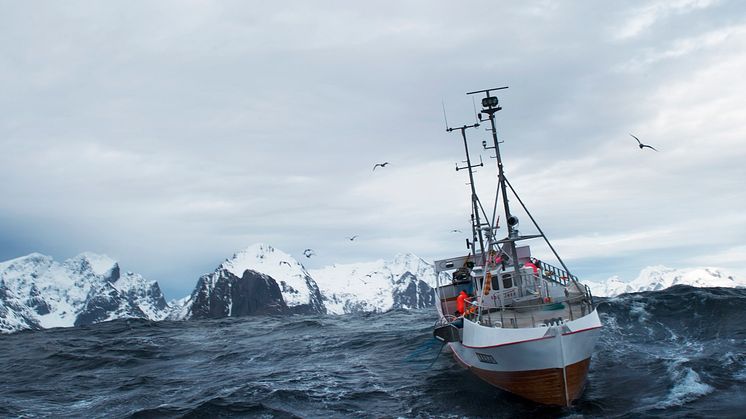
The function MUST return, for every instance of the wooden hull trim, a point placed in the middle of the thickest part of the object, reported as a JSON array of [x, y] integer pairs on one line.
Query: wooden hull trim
[[545, 386]]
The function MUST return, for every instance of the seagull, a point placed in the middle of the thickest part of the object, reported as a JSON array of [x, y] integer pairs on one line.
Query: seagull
[[641, 144], [308, 253], [286, 263], [455, 231], [380, 164], [352, 238]]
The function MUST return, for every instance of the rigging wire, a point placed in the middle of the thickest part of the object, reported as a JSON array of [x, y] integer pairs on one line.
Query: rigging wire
[[570, 275], [494, 209]]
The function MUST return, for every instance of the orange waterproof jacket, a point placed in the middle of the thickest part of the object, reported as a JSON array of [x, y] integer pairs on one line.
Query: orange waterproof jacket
[[460, 301]]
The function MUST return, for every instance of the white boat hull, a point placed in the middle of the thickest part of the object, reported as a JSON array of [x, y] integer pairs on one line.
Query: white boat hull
[[548, 365]]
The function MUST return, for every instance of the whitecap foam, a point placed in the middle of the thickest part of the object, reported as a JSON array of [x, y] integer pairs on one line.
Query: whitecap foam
[[637, 309], [688, 386]]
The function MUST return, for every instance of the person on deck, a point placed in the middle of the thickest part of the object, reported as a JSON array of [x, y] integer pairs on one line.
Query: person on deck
[[461, 302]]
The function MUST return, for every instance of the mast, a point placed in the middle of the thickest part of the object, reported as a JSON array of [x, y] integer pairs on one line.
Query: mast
[[475, 221], [490, 105]]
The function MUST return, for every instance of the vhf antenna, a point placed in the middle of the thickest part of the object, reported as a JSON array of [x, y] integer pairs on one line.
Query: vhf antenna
[[445, 118], [474, 198]]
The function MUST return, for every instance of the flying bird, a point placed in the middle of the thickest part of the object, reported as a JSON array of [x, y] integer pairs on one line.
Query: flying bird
[[643, 145], [308, 253], [380, 164], [455, 231], [286, 263], [352, 238]]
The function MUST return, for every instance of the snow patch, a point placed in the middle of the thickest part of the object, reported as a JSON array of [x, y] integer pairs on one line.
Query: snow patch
[[368, 286], [100, 264]]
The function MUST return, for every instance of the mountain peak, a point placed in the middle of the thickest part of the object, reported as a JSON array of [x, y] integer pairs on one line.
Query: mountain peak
[[100, 264], [401, 258], [31, 258], [258, 256]]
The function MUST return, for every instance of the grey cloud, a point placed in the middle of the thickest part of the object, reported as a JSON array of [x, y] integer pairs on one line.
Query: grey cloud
[[169, 135]]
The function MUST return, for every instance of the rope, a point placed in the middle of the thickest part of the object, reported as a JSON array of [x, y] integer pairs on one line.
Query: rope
[[424, 347]]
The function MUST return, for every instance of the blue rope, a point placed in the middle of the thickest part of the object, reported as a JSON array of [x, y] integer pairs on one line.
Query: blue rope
[[425, 347]]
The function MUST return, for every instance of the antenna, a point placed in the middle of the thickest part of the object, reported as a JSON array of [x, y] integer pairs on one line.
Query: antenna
[[445, 118], [474, 198], [487, 90], [474, 104]]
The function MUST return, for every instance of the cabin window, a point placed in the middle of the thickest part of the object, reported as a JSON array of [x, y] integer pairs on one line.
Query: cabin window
[[495, 282], [507, 281]]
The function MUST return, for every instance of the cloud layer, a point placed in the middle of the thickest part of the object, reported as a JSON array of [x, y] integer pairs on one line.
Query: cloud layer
[[170, 135]]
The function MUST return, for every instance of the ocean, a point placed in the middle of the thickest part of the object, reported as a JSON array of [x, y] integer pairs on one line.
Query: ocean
[[674, 353]]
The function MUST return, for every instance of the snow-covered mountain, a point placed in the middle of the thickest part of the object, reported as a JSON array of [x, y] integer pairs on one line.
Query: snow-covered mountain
[[37, 292], [655, 278], [245, 284], [404, 282]]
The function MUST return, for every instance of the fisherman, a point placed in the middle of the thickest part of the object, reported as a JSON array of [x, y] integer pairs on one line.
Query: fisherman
[[533, 266], [460, 303], [501, 259], [461, 300]]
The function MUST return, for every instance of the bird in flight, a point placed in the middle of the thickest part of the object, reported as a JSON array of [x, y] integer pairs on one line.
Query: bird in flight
[[352, 238], [643, 145], [380, 164], [455, 231], [285, 262], [308, 253]]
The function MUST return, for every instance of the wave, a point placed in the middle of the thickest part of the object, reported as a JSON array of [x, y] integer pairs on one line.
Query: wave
[[672, 353]]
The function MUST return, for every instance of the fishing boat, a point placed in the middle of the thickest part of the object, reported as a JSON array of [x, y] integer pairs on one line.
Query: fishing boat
[[527, 327]]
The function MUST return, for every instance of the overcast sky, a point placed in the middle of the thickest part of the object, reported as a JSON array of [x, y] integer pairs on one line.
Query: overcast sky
[[169, 135]]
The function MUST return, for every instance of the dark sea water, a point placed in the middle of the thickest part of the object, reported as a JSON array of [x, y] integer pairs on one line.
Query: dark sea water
[[676, 353]]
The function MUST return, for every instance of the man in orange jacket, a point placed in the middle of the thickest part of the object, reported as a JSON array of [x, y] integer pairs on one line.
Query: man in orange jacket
[[461, 302]]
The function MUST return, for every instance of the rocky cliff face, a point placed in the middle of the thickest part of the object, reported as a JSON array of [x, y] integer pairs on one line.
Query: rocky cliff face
[[38, 292], [223, 294], [410, 292], [256, 280], [299, 290]]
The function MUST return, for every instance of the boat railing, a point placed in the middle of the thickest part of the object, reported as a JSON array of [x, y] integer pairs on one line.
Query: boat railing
[[554, 274], [513, 313]]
